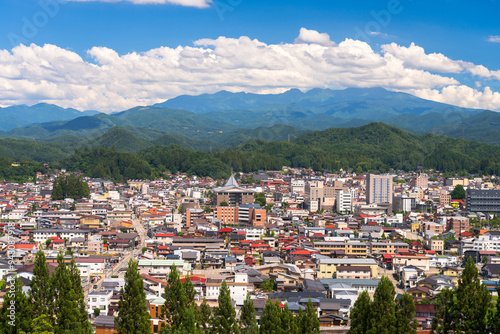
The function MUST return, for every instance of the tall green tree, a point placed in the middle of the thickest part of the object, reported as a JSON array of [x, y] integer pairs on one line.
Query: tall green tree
[[248, 320], [17, 311], [176, 303], [74, 275], [189, 290], [494, 317], [466, 308], [309, 322], [223, 319], [383, 321], [473, 301], [288, 322], [133, 315], [204, 316], [66, 308], [270, 321], [405, 315], [445, 312], [361, 314], [42, 325], [41, 291]]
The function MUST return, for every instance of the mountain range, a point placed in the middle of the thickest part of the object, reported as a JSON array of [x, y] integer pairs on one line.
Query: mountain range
[[222, 120]]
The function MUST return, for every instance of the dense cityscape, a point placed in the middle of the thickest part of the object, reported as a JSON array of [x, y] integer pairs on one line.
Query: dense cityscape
[[290, 242]]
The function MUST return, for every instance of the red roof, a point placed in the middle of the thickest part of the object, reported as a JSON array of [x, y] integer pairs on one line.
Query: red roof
[[195, 279], [164, 235], [301, 252], [226, 230], [256, 245], [25, 246]]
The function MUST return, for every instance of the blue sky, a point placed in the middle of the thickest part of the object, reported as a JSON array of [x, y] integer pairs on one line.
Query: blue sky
[[460, 31]]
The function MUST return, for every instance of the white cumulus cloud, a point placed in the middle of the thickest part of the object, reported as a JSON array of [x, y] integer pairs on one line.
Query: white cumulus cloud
[[313, 37], [187, 3], [494, 39], [463, 96], [108, 81]]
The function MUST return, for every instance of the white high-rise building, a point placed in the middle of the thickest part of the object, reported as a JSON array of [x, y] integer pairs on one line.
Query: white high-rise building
[[344, 201]]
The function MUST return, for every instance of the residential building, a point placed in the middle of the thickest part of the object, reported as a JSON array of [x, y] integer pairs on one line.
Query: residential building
[[483, 200], [344, 201], [327, 268], [99, 300], [379, 189], [458, 224]]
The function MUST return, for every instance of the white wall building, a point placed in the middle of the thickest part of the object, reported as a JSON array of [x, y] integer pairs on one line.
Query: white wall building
[[344, 201]]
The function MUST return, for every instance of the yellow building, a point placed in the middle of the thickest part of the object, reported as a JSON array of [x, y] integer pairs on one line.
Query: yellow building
[[350, 248], [328, 267], [91, 221]]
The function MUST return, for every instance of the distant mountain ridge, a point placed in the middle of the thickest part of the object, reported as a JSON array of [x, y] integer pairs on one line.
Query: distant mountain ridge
[[23, 115], [224, 119]]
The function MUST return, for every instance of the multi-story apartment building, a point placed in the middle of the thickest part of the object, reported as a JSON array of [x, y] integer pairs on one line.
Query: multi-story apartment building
[[42, 235], [379, 189], [344, 201], [458, 224], [483, 200], [387, 247], [420, 181], [327, 268], [350, 248]]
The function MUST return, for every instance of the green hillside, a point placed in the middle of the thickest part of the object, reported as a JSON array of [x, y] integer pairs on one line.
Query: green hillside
[[375, 146]]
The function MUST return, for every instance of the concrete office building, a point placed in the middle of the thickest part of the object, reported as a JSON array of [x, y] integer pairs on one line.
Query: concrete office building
[[233, 194], [379, 189], [483, 200]]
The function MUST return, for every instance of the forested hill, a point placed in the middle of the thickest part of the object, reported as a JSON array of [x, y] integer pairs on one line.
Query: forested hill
[[375, 146], [372, 147]]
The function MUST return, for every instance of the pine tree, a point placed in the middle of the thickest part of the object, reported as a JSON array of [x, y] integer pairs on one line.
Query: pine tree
[[66, 308], [361, 314], [204, 316], [383, 320], [74, 275], [189, 290], [16, 312], [473, 301], [223, 319], [445, 313], [41, 325], [310, 320], [405, 315], [133, 315], [466, 308], [41, 291], [189, 323], [176, 302], [248, 321], [288, 323], [270, 321], [494, 321]]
